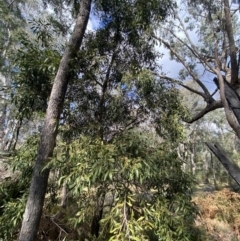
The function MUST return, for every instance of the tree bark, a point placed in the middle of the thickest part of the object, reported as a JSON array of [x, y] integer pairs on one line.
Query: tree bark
[[233, 100], [232, 169], [213, 171], [64, 195], [232, 47], [95, 226], [33, 210], [231, 103]]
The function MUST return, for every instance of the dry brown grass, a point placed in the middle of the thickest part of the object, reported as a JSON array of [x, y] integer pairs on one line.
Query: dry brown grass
[[219, 215]]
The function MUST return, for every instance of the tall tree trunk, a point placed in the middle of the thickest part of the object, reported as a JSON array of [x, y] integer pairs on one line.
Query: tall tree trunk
[[33, 210], [214, 172], [11, 144], [232, 169], [192, 158], [232, 47], [98, 212]]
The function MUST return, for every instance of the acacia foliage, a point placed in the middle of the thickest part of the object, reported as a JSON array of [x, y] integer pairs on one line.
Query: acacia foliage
[[14, 190], [146, 194]]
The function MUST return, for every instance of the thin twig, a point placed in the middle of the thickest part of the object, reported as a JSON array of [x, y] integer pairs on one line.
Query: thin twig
[[9, 5]]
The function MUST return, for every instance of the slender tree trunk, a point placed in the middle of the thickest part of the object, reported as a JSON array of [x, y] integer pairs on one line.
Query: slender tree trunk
[[206, 168], [2, 121], [64, 195], [11, 144], [213, 171], [95, 226], [11, 129], [232, 169], [33, 210], [192, 159]]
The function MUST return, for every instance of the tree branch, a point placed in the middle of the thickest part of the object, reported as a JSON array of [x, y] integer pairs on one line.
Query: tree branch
[[188, 37], [210, 107], [208, 97], [183, 85], [231, 118]]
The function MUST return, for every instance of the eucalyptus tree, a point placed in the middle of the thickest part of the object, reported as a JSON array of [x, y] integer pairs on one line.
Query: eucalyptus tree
[[212, 127], [136, 20], [206, 40], [39, 182], [12, 24]]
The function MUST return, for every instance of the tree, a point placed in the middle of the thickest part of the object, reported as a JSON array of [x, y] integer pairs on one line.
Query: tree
[[18, 53], [39, 182], [12, 24], [116, 91], [134, 24], [211, 128], [217, 33]]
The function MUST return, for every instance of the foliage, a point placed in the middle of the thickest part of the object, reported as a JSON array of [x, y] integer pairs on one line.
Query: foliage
[[140, 180], [133, 179], [14, 190], [199, 44], [35, 69], [117, 90], [12, 24], [11, 218]]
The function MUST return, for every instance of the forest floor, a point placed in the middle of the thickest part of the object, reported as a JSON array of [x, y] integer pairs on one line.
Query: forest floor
[[219, 213]]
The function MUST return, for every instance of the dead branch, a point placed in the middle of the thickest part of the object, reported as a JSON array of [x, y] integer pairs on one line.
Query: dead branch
[[232, 169]]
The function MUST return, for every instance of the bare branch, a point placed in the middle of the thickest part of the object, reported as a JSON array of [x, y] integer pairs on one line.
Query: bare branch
[[210, 107], [199, 56], [207, 94], [188, 37], [234, 11], [101, 85], [214, 92], [183, 85], [196, 54], [9, 5]]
